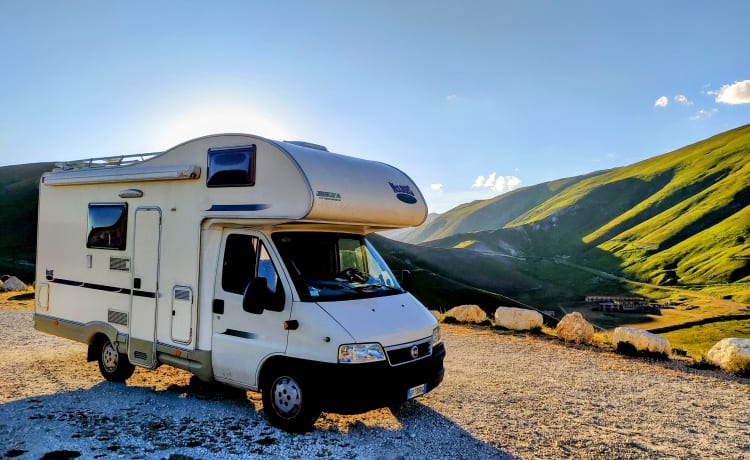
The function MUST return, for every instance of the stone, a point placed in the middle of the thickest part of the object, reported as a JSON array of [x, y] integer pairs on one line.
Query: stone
[[467, 314], [14, 284], [731, 354], [436, 314], [641, 340], [574, 328], [2, 288], [518, 319]]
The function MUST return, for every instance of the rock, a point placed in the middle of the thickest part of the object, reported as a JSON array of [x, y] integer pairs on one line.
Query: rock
[[518, 319], [467, 314], [731, 354], [14, 284], [574, 328], [641, 340], [436, 314], [1, 286]]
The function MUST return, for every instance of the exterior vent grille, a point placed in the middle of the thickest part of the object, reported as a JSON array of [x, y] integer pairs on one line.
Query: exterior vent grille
[[402, 354], [182, 294], [119, 263], [117, 317], [140, 355]]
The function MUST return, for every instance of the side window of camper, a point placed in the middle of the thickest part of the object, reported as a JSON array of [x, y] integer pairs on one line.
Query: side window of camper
[[107, 226], [240, 254], [246, 258], [231, 167]]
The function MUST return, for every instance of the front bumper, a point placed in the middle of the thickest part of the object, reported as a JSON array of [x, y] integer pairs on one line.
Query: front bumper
[[355, 388]]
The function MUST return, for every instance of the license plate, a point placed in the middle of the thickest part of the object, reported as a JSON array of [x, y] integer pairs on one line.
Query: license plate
[[416, 391]]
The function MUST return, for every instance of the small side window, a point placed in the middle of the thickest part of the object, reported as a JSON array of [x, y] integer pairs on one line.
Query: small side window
[[108, 225], [231, 167], [240, 254]]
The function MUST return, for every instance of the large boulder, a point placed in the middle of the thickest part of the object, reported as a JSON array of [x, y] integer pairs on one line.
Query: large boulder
[[641, 341], [518, 319], [436, 314], [2, 288], [467, 314], [574, 328], [14, 284], [731, 354]]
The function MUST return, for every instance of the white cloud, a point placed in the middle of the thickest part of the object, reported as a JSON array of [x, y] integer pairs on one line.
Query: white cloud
[[701, 114], [490, 182], [682, 99], [662, 102], [736, 93], [451, 98], [497, 183], [436, 187]]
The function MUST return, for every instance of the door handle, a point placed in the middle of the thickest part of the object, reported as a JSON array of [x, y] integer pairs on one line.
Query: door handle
[[136, 283]]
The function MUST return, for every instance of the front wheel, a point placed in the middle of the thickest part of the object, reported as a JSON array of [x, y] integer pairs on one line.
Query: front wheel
[[113, 365], [289, 403]]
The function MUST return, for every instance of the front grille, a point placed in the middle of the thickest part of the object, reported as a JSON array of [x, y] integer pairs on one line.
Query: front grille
[[402, 354]]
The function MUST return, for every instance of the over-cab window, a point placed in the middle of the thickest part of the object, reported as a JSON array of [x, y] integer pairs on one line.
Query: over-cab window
[[108, 225], [231, 167]]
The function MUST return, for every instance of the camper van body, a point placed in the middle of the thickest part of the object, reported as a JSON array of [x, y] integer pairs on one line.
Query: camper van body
[[241, 260]]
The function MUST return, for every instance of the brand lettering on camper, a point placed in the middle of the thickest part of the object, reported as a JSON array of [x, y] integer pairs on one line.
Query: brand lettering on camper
[[403, 193], [331, 196]]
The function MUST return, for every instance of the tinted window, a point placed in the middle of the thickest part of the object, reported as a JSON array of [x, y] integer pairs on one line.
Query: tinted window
[[239, 263], [231, 167], [245, 258], [108, 224]]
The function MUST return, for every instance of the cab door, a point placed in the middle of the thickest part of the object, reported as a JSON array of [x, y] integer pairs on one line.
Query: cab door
[[243, 335]]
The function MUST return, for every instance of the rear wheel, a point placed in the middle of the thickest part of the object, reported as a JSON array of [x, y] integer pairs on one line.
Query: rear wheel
[[290, 403], [113, 365]]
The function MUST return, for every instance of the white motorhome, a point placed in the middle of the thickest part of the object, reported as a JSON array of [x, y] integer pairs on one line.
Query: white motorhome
[[242, 260]]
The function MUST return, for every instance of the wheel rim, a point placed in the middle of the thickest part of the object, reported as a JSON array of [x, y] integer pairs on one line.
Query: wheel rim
[[287, 397], [109, 357]]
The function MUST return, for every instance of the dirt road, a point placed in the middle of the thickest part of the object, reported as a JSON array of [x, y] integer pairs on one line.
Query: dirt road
[[504, 396]]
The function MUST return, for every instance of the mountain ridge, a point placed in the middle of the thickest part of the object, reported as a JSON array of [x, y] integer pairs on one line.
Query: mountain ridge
[[682, 217]]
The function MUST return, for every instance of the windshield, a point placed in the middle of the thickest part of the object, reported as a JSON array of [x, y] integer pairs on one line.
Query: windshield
[[334, 266]]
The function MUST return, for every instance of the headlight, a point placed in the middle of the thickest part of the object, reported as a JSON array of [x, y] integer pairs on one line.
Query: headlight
[[361, 353], [436, 339]]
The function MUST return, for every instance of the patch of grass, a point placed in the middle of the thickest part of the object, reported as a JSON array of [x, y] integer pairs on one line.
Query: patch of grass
[[697, 340]]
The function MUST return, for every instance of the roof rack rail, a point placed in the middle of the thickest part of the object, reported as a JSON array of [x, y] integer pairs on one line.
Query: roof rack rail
[[105, 162]]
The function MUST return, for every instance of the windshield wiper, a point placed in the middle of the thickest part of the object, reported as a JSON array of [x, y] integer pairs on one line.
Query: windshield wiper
[[365, 287]]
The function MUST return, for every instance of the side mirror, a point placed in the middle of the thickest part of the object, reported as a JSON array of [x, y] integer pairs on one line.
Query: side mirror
[[256, 296], [406, 280]]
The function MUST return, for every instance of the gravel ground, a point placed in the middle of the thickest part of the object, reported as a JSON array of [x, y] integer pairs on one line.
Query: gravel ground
[[504, 396]]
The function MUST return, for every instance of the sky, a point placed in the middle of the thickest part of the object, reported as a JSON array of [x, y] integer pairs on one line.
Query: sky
[[470, 98]]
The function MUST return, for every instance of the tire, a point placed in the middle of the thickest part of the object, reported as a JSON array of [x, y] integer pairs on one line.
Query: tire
[[290, 403], [113, 365]]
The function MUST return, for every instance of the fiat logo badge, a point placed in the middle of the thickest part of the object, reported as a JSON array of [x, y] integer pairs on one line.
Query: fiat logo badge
[[414, 352]]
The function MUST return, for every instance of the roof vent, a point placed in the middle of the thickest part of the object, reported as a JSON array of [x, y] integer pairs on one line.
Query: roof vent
[[309, 145]]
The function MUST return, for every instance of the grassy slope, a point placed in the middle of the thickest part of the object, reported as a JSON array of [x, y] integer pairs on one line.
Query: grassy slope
[[19, 186], [487, 214], [680, 220]]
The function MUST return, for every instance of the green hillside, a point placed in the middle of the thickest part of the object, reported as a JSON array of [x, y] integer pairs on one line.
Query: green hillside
[[674, 228], [19, 186], [678, 219]]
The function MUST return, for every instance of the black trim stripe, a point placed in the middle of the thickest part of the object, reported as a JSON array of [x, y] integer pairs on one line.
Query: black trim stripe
[[238, 207], [103, 287]]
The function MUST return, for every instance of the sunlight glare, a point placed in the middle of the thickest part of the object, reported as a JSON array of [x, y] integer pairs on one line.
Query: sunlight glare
[[202, 121]]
